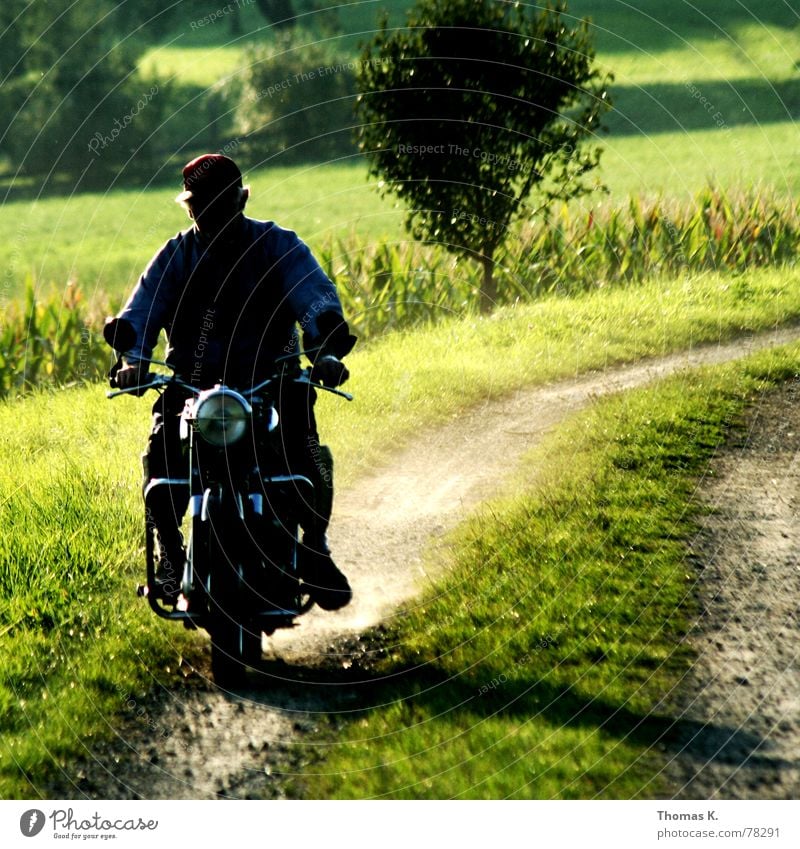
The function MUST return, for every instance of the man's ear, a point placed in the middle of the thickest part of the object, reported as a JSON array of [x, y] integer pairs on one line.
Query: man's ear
[[244, 197]]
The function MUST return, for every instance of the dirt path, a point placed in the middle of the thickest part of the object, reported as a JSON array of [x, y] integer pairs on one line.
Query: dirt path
[[195, 741], [742, 697]]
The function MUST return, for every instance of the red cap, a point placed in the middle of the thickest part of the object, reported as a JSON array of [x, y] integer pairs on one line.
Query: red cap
[[209, 175]]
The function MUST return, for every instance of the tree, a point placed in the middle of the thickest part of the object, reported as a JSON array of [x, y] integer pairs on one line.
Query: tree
[[72, 103], [471, 107], [280, 13], [296, 103], [285, 15]]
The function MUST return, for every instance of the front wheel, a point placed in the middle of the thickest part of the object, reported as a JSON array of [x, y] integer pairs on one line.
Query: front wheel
[[234, 647], [223, 588]]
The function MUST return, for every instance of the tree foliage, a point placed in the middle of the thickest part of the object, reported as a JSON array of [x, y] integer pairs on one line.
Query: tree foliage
[[71, 100], [471, 107], [280, 13], [296, 103], [286, 15]]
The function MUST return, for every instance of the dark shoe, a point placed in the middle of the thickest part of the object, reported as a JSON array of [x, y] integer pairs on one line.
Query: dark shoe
[[322, 579]]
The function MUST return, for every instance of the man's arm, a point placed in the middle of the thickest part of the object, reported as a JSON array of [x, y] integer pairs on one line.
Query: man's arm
[[148, 307], [316, 305], [308, 289], [333, 343]]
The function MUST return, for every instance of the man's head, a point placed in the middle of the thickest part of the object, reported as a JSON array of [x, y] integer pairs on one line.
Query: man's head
[[213, 194]]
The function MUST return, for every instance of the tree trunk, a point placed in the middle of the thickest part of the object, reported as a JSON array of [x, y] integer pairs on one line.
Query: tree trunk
[[488, 286]]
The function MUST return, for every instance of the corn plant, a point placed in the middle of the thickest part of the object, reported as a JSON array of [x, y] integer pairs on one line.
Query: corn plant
[[385, 286], [52, 341]]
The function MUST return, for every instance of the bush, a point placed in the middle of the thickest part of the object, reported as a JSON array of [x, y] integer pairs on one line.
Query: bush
[[71, 105], [296, 103]]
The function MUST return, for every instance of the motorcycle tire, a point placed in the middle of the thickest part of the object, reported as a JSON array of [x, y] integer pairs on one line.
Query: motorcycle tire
[[235, 643], [234, 648]]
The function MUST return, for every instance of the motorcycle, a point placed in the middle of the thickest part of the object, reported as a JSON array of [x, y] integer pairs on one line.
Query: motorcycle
[[242, 576]]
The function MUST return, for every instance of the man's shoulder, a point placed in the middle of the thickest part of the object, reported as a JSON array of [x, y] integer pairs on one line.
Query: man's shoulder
[[169, 258], [179, 240], [270, 231]]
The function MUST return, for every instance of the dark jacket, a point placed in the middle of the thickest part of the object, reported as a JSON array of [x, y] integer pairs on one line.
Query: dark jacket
[[229, 311]]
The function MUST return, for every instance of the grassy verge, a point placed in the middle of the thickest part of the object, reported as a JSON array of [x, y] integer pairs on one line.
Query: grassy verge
[[537, 666], [75, 644]]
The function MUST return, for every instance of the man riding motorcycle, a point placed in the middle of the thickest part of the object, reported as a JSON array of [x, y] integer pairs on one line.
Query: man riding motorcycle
[[230, 292]]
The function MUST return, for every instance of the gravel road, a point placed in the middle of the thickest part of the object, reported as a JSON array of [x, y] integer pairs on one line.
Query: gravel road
[[742, 697]]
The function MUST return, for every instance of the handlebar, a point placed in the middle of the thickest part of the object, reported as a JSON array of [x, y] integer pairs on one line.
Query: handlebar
[[156, 381], [120, 334]]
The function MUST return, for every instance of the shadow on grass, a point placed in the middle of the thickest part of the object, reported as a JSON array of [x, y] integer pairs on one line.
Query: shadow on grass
[[702, 105], [148, 745], [353, 694], [649, 26]]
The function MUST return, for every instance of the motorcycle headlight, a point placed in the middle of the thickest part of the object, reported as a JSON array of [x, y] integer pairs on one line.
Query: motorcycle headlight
[[221, 417]]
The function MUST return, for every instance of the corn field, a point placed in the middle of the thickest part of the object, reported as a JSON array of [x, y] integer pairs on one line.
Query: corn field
[[56, 342], [715, 233], [386, 286]]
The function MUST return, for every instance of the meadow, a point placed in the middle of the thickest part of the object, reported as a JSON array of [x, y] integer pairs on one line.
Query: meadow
[[76, 645], [103, 242]]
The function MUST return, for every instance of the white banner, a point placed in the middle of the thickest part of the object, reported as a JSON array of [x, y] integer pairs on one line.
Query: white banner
[[401, 825]]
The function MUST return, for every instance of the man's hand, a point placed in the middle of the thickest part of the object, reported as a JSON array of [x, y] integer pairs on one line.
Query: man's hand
[[329, 371], [132, 374]]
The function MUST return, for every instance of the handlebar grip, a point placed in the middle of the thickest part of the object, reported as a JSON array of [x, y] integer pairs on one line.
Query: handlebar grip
[[137, 389]]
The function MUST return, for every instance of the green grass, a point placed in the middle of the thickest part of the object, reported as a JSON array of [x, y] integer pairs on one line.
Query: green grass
[[674, 165], [69, 501], [75, 647], [104, 241], [536, 667], [72, 543], [192, 65], [464, 361], [646, 41], [204, 55], [716, 39], [740, 57]]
